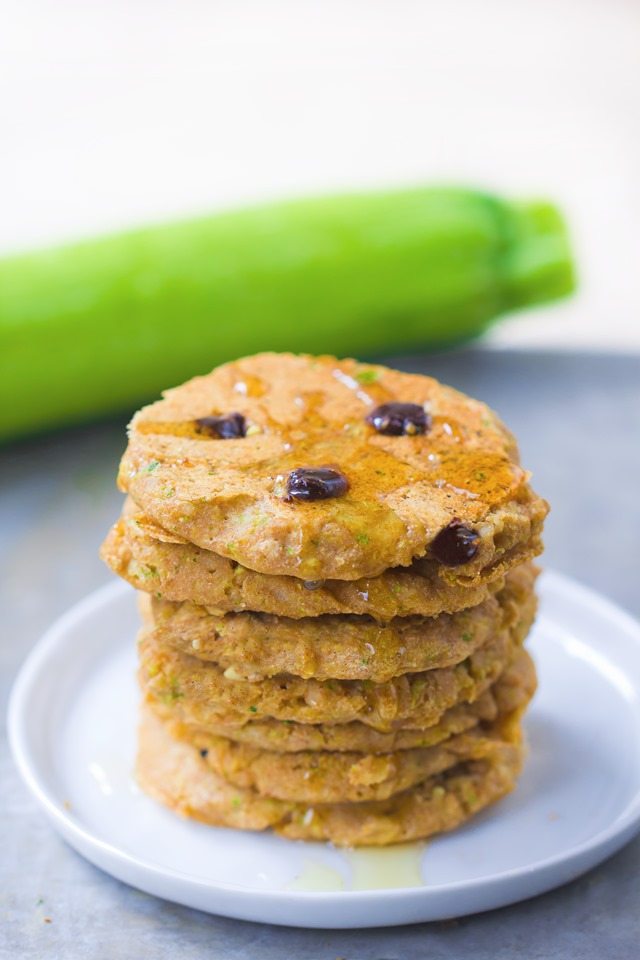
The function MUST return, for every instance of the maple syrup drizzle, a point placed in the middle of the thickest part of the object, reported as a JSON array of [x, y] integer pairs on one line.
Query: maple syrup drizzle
[[483, 478], [248, 385]]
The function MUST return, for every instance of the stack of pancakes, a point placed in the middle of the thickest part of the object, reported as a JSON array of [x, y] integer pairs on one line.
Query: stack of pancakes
[[335, 576]]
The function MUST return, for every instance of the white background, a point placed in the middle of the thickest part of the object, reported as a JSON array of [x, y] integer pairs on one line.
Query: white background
[[120, 111]]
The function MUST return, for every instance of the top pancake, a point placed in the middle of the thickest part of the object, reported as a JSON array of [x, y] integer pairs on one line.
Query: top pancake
[[228, 496]]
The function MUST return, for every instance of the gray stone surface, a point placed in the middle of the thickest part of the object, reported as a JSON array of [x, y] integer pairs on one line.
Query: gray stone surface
[[578, 420]]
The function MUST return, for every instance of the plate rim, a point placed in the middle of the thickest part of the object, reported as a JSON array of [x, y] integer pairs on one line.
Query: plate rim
[[582, 856]]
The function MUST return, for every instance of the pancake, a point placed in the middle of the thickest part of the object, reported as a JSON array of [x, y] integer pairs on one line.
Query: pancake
[[511, 691], [204, 693], [174, 773], [450, 487], [328, 776], [158, 562], [338, 647]]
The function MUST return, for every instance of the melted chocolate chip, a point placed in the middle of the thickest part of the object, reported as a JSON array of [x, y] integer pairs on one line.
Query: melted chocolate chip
[[456, 544], [204, 754], [229, 427], [316, 483], [396, 419]]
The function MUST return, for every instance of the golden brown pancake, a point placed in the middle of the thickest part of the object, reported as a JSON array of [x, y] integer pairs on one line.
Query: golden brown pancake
[[512, 690], [174, 773], [396, 495], [160, 563], [337, 647], [203, 693], [332, 777]]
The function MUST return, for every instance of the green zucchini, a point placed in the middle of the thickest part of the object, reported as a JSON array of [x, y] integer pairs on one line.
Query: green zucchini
[[103, 324]]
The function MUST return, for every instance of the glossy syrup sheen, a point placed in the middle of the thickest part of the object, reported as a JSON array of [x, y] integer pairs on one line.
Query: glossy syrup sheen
[[449, 456], [368, 868]]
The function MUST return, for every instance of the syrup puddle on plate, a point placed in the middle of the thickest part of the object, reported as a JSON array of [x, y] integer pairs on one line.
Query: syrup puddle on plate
[[316, 876], [367, 868]]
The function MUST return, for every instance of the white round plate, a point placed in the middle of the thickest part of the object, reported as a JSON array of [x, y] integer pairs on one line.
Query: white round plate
[[72, 724]]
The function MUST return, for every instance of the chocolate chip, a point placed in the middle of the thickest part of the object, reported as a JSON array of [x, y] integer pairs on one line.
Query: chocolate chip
[[230, 427], [204, 754], [396, 419], [456, 544], [316, 483]]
